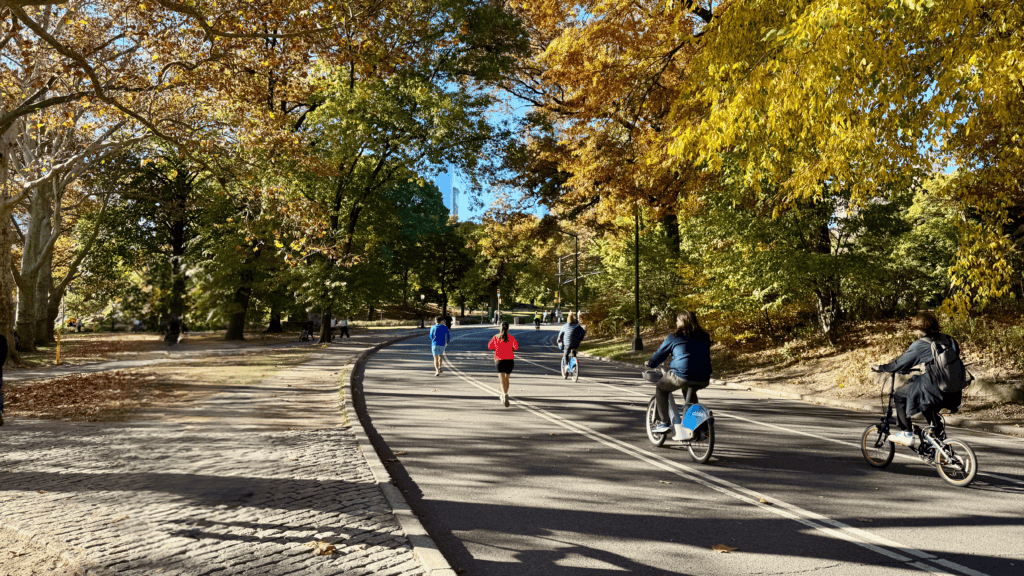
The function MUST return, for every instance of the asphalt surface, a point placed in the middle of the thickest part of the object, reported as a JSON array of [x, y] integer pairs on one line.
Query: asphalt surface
[[565, 482]]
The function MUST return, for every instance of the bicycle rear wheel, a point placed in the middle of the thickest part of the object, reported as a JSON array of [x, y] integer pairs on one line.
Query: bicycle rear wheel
[[703, 443], [957, 465], [650, 418], [878, 451], [576, 371]]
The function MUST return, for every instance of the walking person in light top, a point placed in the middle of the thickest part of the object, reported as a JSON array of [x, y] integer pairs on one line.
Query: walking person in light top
[[439, 338], [504, 346]]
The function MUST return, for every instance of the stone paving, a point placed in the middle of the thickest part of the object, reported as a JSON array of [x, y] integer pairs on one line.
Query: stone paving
[[242, 483]]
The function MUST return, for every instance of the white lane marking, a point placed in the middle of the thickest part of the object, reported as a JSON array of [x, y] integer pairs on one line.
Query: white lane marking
[[808, 518], [813, 520], [783, 428]]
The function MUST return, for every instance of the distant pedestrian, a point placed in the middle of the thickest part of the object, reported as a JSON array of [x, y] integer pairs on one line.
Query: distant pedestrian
[[3, 360], [343, 328], [440, 335], [545, 319], [496, 317], [504, 346]]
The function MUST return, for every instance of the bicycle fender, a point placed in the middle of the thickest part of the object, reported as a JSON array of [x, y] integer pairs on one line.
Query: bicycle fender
[[695, 416]]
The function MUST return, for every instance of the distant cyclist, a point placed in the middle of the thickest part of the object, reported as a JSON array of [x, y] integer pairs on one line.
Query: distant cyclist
[[922, 393], [570, 337], [690, 370]]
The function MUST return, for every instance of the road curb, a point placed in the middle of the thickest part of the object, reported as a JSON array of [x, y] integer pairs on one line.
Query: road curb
[[423, 546], [951, 420]]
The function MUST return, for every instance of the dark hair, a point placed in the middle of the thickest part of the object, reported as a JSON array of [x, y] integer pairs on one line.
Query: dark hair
[[925, 322], [688, 326], [439, 319], [504, 332]]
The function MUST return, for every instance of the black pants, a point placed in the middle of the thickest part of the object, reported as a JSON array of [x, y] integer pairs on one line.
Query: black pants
[[343, 331], [565, 356], [668, 384], [931, 416]]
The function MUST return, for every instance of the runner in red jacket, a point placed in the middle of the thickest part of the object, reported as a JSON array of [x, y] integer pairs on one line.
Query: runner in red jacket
[[504, 346]]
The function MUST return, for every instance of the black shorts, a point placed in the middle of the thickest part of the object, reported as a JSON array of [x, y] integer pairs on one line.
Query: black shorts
[[504, 366]]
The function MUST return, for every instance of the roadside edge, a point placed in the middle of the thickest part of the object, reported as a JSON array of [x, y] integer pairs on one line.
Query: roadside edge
[[423, 546]]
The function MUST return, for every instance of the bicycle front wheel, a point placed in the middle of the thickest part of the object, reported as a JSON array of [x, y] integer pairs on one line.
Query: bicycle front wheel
[[878, 451], [957, 464], [703, 442], [650, 418]]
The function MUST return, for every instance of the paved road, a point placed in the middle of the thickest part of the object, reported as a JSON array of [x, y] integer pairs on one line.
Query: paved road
[[564, 482]]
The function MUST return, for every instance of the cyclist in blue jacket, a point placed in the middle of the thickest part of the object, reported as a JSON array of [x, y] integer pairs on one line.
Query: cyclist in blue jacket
[[690, 370], [440, 335]]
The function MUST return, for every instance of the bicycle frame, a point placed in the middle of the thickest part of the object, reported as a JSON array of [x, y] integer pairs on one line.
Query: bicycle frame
[[928, 443]]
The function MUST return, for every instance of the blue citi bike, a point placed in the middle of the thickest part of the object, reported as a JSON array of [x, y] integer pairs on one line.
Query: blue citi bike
[[954, 460], [694, 426], [572, 369]]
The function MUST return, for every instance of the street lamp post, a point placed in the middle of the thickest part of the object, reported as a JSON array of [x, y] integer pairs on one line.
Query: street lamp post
[[576, 280], [423, 309], [638, 343]]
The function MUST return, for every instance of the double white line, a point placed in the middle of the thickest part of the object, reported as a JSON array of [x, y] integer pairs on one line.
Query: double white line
[[824, 525]]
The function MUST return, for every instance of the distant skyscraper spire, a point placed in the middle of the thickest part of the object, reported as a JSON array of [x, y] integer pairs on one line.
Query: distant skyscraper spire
[[455, 203]]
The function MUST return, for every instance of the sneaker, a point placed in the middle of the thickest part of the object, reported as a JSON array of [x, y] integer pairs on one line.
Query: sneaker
[[904, 438], [501, 398], [504, 400], [660, 427]]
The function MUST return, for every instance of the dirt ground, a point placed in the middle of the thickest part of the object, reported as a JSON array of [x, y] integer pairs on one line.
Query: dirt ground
[[77, 349], [20, 556], [119, 395]]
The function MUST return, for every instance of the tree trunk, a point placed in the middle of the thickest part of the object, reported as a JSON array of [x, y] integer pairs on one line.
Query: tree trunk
[[36, 234], [671, 224], [326, 333], [44, 299], [236, 323], [369, 314], [826, 291], [7, 287], [177, 296], [275, 321]]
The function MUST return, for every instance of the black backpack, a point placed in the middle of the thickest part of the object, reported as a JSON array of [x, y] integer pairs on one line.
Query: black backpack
[[946, 369]]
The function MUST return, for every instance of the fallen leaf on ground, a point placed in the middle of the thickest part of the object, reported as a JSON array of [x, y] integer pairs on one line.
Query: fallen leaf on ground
[[664, 481], [865, 520], [399, 453], [321, 548], [763, 501], [723, 548], [553, 434], [14, 554]]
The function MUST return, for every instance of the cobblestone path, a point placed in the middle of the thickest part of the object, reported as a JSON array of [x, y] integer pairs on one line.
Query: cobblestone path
[[208, 489]]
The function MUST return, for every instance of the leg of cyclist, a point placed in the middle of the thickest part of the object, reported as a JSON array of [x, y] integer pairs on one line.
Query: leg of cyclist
[[690, 395], [668, 384], [900, 402]]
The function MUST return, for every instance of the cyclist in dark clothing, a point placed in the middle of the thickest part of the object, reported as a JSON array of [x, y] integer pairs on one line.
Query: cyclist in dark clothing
[[570, 337], [919, 394], [690, 370]]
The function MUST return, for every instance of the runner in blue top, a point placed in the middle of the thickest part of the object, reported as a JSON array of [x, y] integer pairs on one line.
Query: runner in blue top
[[440, 335]]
